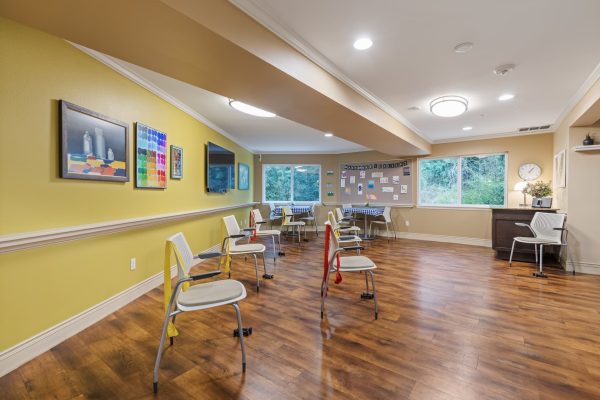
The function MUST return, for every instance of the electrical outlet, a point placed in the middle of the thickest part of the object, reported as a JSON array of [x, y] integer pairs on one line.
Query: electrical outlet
[[407, 223], [132, 264]]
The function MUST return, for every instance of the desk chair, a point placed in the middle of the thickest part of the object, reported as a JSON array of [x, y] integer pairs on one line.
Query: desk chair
[[548, 229], [288, 221], [258, 222], [231, 248], [387, 221], [310, 218], [336, 264], [197, 297]]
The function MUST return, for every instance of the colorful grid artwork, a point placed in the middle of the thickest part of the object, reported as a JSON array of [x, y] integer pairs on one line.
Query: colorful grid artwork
[[151, 157]]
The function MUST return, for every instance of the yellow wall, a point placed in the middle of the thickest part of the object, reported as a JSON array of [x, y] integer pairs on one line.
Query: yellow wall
[[471, 223], [43, 286]]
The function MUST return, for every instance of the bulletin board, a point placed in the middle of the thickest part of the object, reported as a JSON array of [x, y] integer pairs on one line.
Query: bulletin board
[[377, 182]]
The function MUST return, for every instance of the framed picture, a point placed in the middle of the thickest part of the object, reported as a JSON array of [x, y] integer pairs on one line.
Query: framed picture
[[176, 162], [560, 173], [151, 157], [93, 146], [243, 176]]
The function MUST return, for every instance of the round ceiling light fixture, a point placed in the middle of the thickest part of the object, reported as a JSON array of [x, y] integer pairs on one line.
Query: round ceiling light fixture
[[463, 47], [248, 109], [448, 106], [507, 96], [363, 43], [467, 128], [328, 134]]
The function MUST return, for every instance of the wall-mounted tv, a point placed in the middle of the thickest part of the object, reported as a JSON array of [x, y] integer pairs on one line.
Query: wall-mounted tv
[[220, 169]]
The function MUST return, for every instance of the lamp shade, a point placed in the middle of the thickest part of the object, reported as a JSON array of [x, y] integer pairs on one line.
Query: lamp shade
[[520, 186]]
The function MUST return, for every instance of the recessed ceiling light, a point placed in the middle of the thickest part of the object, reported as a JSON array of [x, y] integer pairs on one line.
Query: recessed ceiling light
[[448, 106], [363, 43], [248, 109], [506, 97], [467, 128], [464, 47], [328, 134]]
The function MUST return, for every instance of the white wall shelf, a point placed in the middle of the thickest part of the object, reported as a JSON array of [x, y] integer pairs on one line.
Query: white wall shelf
[[594, 147]]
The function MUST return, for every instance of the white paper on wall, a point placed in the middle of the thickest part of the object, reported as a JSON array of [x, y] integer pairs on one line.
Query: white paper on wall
[[360, 189], [344, 173], [353, 179], [403, 188], [376, 174], [396, 180], [387, 189], [342, 183], [395, 197], [363, 174], [384, 180]]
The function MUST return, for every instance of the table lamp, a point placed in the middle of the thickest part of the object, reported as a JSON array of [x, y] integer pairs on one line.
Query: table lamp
[[521, 186]]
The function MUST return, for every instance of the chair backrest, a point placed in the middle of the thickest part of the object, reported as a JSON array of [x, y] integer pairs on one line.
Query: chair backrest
[[543, 225], [387, 214], [231, 225], [312, 209], [339, 213], [333, 243], [256, 217], [182, 249], [286, 213]]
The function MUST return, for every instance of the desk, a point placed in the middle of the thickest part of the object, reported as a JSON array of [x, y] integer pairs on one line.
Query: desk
[[366, 211], [504, 230]]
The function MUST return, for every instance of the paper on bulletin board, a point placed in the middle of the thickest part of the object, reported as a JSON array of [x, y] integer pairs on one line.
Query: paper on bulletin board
[[371, 184], [387, 189], [403, 188], [396, 180], [348, 190], [383, 180], [342, 183], [395, 197], [344, 173], [363, 174], [371, 197], [353, 179], [376, 174], [360, 189], [406, 171]]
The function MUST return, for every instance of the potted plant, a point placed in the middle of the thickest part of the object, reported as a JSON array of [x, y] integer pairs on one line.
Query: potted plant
[[539, 189]]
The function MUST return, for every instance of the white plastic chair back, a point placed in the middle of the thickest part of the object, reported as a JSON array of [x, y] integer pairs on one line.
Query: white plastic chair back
[[333, 243], [231, 225], [312, 210], [339, 213], [257, 217], [387, 214], [287, 212], [332, 221], [543, 225], [183, 265]]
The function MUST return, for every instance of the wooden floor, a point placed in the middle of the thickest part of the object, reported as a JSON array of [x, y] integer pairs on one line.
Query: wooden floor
[[454, 323]]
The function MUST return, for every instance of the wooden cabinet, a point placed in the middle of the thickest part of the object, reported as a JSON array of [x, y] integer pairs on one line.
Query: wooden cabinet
[[504, 230]]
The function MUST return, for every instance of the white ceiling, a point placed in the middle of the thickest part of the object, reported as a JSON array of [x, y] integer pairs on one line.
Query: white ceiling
[[259, 135], [554, 43]]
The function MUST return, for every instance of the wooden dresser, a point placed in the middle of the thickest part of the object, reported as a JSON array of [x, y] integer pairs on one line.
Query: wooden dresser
[[504, 230]]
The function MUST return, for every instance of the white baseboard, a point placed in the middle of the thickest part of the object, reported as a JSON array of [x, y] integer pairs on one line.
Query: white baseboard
[[19, 354], [583, 267], [443, 238]]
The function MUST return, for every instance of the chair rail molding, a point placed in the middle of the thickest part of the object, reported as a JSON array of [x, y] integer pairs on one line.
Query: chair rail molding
[[26, 240]]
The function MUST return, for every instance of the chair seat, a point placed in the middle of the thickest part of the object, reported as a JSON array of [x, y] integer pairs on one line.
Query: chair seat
[[535, 240], [349, 239], [268, 232], [295, 223], [211, 293], [379, 222], [308, 218], [356, 263], [247, 248], [350, 228]]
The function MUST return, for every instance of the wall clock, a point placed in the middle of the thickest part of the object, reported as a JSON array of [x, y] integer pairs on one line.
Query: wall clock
[[530, 171]]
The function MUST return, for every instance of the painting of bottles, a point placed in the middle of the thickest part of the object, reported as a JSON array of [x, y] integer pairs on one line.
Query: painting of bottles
[[93, 146], [151, 157]]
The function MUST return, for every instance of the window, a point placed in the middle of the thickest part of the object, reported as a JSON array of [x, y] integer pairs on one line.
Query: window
[[287, 183], [478, 180]]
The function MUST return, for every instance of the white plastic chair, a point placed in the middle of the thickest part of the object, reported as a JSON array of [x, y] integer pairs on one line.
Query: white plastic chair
[[234, 234], [258, 222], [548, 229], [288, 221], [345, 264], [344, 220], [387, 221], [311, 218], [273, 215], [198, 297], [345, 234]]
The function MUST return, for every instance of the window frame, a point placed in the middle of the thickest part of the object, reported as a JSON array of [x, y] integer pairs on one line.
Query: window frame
[[292, 166], [459, 182]]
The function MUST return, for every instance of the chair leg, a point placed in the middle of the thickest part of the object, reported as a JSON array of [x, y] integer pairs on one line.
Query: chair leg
[[256, 269], [274, 249], [265, 275], [374, 293], [541, 274], [241, 335], [387, 231], [162, 341], [281, 253], [324, 288], [512, 249], [536, 252]]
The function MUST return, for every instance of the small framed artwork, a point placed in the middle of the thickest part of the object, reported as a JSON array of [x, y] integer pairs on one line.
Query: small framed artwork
[[243, 176], [560, 175], [176, 162], [93, 146], [151, 157]]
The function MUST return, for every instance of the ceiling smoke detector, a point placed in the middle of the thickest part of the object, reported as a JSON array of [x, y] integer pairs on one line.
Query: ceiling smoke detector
[[502, 70], [464, 47]]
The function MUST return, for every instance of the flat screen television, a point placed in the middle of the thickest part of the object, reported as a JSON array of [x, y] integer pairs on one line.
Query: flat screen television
[[220, 169]]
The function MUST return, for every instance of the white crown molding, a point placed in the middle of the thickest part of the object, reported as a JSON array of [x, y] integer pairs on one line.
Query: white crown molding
[[293, 39], [493, 136], [19, 354], [132, 76], [578, 95], [315, 152], [21, 241]]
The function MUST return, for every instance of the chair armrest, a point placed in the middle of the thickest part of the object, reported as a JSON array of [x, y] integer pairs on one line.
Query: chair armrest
[[235, 236], [522, 224], [260, 222], [249, 229], [353, 248], [205, 256], [204, 275], [560, 229]]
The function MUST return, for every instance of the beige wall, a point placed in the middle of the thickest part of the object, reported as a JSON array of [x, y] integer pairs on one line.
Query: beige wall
[[470, 223]]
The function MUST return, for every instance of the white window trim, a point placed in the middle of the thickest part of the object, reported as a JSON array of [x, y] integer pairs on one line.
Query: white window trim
[[459, 183], [264, 186]]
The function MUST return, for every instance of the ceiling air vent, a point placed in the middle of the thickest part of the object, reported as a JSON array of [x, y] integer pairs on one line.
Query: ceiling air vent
[[534, 128]]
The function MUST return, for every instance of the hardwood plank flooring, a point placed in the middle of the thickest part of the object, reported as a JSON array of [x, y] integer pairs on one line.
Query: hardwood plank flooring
[[454, 323]]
